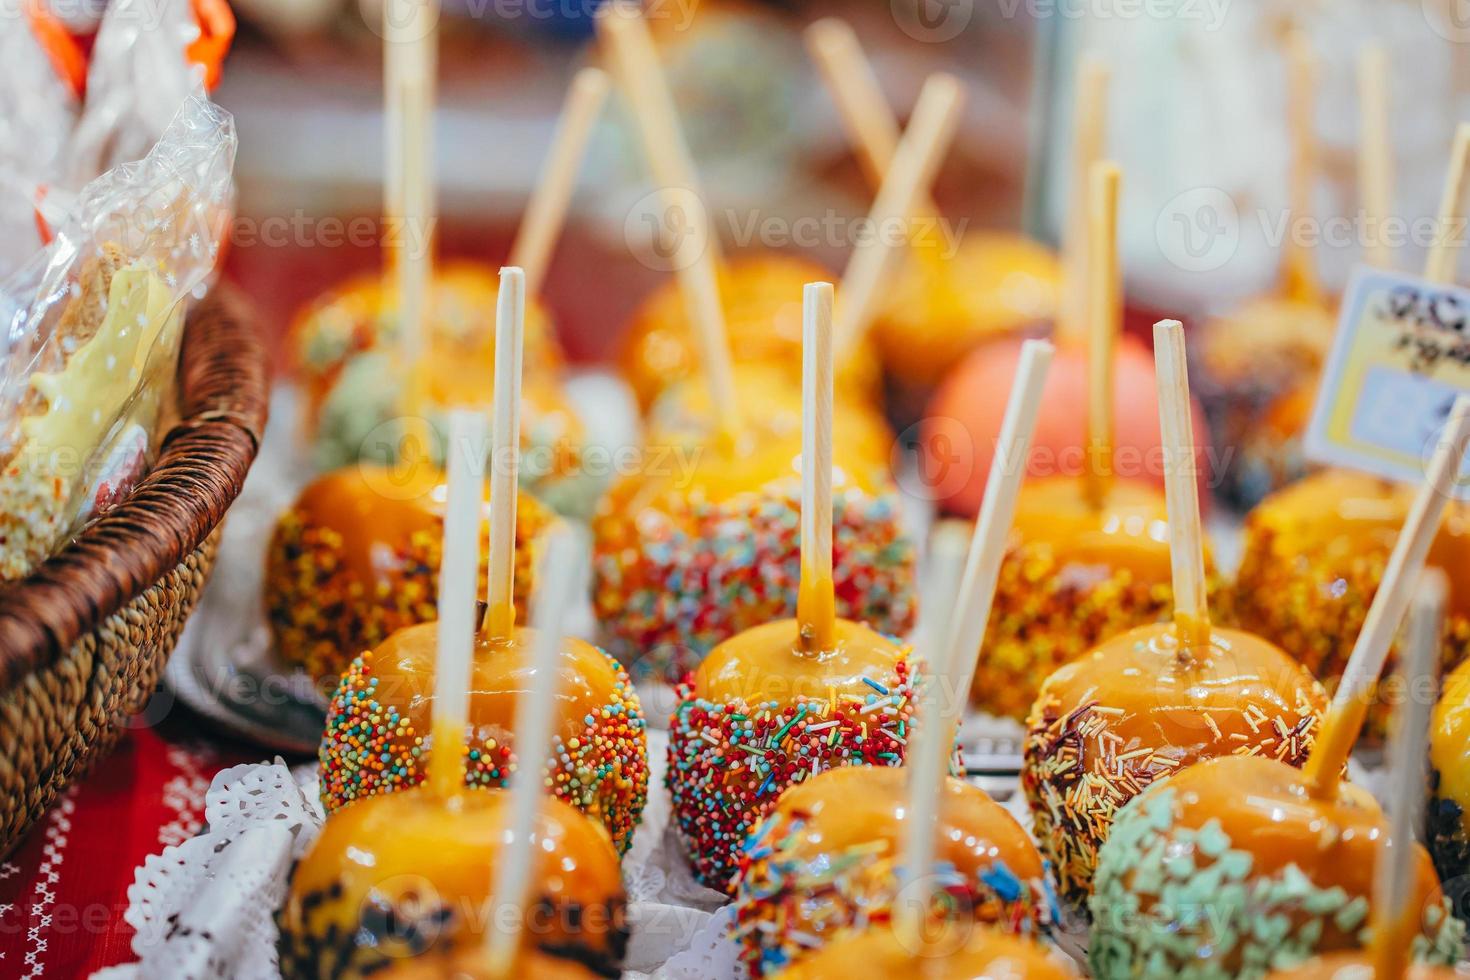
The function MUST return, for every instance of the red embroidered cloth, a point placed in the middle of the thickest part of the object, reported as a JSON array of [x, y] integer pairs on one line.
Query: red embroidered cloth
[[63, 890]]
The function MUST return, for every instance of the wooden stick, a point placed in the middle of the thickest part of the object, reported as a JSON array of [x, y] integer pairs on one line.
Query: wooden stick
[[546, 214], [816, 604], [458, 581], [640, 76], [1104, 323], [1375, 152], [1394, 921], [393, 141], [559, 575], [505, 452], [1439, 266], [938, 594], [1181, 486], [872, 128], [1350, 703], [930, 743], [1089, 135], [997, 511], [914, 165], [1300, 261]]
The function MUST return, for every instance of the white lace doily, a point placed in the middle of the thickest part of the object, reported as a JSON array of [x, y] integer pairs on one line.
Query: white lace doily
[[205, 909]]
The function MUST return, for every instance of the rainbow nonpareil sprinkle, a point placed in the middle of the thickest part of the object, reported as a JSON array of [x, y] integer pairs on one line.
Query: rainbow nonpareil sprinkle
[[675, 577], [729, 763], [371, 746]]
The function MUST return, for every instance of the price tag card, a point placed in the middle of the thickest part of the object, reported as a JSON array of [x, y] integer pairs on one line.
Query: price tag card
[[1400, 357]]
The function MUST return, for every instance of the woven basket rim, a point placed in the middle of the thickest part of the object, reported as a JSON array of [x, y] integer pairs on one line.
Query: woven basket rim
[[223, 393]]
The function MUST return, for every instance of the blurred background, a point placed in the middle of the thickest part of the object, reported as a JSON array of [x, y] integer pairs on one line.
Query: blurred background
[[1198, 107]]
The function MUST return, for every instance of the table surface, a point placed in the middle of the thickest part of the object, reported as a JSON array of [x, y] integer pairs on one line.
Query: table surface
[[63, 891]]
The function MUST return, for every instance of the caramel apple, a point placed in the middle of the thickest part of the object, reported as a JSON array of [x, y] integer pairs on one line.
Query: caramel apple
[[826, 860], [943, 305], [1139, 708], [357, 556], [702, 543], [409, 875], [760, 293], [784, 700], [960, 954], [1147, 703], [1314, 555], [378, 737], [1447, 833], [1089, 550], [1233, 866], [761, 713]]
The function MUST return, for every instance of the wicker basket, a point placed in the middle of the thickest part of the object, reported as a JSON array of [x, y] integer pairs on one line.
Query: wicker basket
[[85, 638]]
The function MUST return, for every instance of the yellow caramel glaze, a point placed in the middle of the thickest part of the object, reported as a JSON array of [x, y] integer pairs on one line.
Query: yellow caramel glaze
[[411, 872], [1331, 515], [761, 293], [941, 306], [502, 672], [766, 663], [981, 955], [1357, 966], [1129, 531], [1136, 710]]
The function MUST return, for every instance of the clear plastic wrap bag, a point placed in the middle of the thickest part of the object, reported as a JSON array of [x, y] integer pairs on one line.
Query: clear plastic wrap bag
[[67, 116], [92, 329], [37, 112], [138, 75]]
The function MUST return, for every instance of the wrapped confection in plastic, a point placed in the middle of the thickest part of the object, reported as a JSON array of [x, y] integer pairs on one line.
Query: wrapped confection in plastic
[[92, 326], [69, 114]]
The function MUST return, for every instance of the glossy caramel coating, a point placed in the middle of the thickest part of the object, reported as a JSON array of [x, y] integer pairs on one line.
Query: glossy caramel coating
[[770, 409], [766, 663], [1447, 813], [761, 295], [356, 557], [1314, 555], [827, 859], [1128, 529], [760, 713], [702, 542], [359, 314], [1284, 876], [973, 954], [1075, 574], [473, 963], [1357, 966], [1135, 710], [378, 736], [410, 874], [941, 306]]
